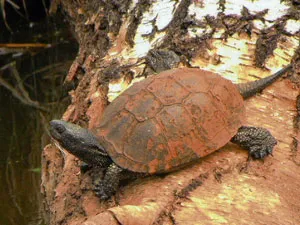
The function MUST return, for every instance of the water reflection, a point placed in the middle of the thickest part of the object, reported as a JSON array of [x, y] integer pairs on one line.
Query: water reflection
[[23, 131], [21, 136]]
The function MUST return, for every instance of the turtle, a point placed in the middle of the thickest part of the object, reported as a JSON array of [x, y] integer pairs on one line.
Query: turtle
[[164, 123]]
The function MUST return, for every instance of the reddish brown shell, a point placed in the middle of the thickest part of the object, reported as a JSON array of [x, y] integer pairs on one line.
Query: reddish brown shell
[[170, 119]]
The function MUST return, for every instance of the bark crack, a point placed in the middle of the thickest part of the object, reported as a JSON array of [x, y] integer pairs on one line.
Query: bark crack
[[115, 217], [179, 195]]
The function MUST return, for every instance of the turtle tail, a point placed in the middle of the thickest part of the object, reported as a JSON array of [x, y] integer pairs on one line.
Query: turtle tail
[[251, 88]]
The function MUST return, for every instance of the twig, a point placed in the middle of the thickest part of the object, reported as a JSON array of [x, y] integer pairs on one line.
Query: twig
[[25, 45], [20, 93], [2, 6]]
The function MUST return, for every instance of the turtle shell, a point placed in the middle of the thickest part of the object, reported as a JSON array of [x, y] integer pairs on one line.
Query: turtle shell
[[170, 119]]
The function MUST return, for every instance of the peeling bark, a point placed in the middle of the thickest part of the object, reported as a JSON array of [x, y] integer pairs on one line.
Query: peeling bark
[[122, 42]]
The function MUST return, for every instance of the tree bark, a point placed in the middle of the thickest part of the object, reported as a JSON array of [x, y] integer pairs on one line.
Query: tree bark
[[122, 42]]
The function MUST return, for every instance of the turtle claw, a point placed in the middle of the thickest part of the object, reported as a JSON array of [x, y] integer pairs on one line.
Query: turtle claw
[[260, 152], [258, 141], [102, 191]]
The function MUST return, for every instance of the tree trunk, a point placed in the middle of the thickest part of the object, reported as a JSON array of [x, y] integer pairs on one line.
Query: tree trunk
[[124, 41]]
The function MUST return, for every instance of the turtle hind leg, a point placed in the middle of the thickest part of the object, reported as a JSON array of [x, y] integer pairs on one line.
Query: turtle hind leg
[[257, 140]]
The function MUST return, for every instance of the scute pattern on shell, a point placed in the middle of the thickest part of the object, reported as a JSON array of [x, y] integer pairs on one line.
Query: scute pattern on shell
[[171, 119]]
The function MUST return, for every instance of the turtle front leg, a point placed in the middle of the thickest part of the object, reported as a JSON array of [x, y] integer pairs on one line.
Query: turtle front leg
[[257, 140], [107, 187], [98, 160]]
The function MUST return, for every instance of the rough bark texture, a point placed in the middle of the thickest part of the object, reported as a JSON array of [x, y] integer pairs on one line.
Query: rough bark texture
[[124, 41]]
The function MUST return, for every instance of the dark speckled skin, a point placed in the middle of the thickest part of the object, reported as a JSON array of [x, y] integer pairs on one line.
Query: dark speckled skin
[[257, 140], [251, 88], [78, 141]]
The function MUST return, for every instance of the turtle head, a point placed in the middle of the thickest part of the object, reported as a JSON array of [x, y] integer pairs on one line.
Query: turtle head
[[78, 141]]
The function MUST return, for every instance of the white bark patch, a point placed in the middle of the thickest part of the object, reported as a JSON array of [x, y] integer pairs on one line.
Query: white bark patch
[[260, 25], [236, 54], [276, 8], [292, 26], [132, 5], [233, 52], [117, 87], [164, 13], [159, 16], [232, 7], [201, 9]]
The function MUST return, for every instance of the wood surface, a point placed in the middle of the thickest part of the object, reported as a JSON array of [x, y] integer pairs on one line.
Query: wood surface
[[224, 187]]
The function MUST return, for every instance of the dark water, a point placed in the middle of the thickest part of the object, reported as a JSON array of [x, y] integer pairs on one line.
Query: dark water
[[21, 141], [23, 129]]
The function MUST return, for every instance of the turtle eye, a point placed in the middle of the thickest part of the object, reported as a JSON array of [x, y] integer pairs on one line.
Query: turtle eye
[[60, 128]]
